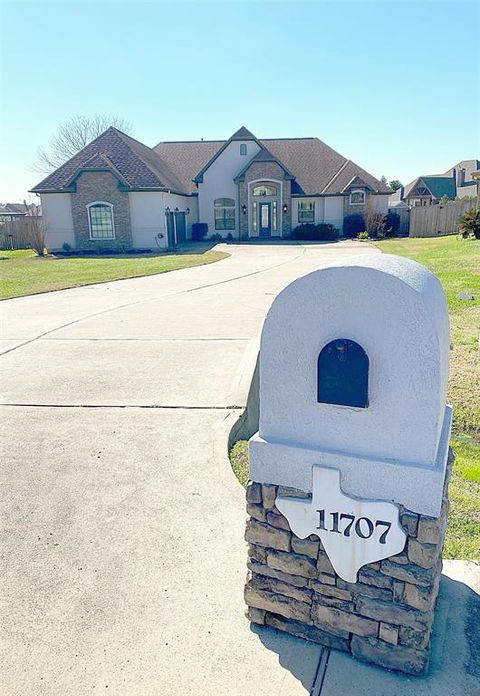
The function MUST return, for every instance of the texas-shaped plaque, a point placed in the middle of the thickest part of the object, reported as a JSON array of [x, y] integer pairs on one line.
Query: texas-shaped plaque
[[353, 531]]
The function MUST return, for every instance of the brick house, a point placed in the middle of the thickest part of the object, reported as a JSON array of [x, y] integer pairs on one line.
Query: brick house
[[119, 193]]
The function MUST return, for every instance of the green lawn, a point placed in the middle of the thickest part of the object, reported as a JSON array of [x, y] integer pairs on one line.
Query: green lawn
[[24, 273], [457, 263]]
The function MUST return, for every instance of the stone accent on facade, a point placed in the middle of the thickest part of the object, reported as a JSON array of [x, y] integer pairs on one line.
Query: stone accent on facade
[[100, 186], [385, 617], [265, 171]]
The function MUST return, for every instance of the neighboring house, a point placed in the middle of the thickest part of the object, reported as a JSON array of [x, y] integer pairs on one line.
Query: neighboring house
[[117, 192], [457, 182], [12, 211]]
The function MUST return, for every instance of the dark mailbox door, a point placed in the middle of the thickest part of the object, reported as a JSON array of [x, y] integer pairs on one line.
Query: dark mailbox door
[[343, 374]]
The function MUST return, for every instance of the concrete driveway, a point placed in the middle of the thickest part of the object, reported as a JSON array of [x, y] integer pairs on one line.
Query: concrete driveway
[[123, 554]]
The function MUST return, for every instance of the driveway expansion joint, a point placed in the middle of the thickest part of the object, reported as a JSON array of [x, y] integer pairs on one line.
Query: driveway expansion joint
[[148, 406]]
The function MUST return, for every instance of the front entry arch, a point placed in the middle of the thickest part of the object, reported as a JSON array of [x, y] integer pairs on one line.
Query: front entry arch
[[265, 206]]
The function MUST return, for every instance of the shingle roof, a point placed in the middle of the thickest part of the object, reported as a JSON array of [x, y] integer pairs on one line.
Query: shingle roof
[[242, 134], [188, 158], [313, 163], [317, 168], [440, 185], [437, 185], [12, 209], [138, 165]]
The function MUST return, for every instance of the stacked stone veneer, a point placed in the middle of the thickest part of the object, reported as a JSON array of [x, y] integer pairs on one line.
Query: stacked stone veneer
[[100, 186], [385, 617], [265, 171]]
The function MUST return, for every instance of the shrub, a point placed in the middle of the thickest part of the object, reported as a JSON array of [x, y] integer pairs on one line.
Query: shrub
[[66, 246], [363, 235], [199, 231], [352, 225], [392, 224], [375, 220], [323, 232], [469, 224], [215, 237]]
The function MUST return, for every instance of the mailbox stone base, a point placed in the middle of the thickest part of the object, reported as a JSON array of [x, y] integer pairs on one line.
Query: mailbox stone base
[[385, 617]]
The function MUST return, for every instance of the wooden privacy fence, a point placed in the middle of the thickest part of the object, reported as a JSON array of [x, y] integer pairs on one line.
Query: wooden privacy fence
[[435, 220], [15, 234]]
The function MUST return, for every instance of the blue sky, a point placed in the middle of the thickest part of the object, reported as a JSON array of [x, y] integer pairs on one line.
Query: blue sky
[[392, 85]]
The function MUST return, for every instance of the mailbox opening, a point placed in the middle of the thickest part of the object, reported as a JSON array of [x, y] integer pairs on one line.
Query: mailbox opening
[[343, 374]]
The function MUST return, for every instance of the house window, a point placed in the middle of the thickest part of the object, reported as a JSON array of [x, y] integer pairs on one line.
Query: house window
[[265, 190], [243, 149], [254, 217], [357, 198], [100, 220], [306, 212], [224, 212], [274, 216]]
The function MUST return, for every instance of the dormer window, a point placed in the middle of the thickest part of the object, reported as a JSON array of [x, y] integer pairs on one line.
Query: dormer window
[[243, 149], [357, 197]]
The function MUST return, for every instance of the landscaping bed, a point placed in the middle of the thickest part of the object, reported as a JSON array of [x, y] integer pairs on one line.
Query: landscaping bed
[[24, 273]]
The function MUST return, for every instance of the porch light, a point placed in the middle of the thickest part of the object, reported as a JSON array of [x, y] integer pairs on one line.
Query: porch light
[[187, 212], [285, 208], [167, 210], [176, 210], [244, 209]]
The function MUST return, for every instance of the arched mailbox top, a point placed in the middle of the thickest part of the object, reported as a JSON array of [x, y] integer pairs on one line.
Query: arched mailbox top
[[392, 311]]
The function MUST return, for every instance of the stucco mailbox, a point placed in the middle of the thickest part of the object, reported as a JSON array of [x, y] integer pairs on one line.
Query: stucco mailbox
[[349, 470]]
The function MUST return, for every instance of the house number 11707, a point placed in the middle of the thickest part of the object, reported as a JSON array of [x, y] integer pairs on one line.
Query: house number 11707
[[363, 526]]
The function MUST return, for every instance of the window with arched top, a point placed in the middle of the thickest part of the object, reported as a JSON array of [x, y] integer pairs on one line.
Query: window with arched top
[[100, 220], [224, 213], [264, 190], [343, 374], [357, 198]]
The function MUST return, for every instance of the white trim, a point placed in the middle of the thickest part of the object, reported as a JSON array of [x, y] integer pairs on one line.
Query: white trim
[[305, 202], [109, 205], [358, 191], [335, 176]]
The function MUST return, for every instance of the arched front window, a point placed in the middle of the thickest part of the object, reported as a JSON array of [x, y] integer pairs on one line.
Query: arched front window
[[265, 190], [224, 211], [357, 198], [100, 220], [343, 374]]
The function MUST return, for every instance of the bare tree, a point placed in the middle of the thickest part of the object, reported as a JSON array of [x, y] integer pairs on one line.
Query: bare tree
[[375, 221], [72, 136], [35, 228]]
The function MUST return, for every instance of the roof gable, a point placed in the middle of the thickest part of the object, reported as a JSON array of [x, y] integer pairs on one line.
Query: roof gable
[[438, 186], [136, 165], [241, 134], [263, 155], [314, 167], [356, 182]]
